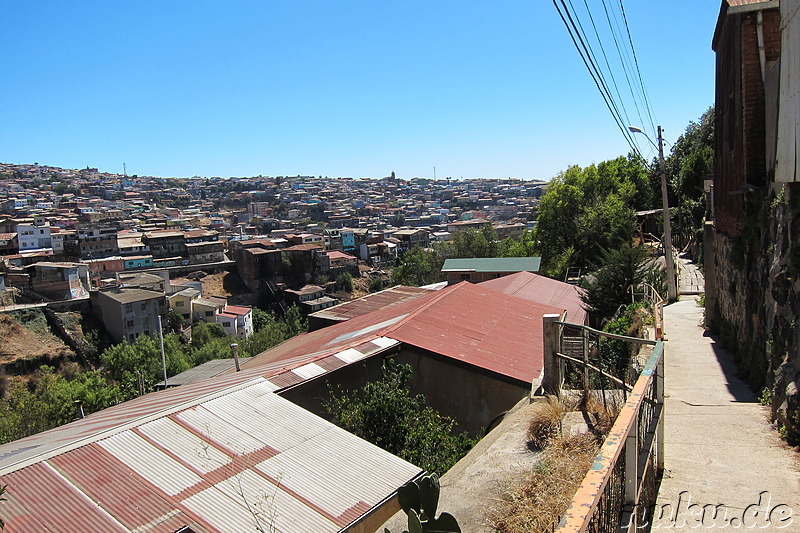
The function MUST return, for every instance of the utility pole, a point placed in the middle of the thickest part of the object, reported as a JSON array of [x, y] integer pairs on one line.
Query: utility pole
[[672, 290]]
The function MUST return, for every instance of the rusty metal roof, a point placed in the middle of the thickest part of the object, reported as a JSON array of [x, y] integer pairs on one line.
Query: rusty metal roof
[[541, 289], [205, 463], [370, 303], [465, 322]]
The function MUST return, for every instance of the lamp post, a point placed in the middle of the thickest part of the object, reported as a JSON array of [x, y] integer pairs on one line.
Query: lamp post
[[672, 290]]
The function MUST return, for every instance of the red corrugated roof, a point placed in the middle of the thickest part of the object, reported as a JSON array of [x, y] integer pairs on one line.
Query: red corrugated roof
[[465, 322], [370, 303], [541, 289]]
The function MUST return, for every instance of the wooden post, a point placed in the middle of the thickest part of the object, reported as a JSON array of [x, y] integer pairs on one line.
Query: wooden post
[[553, 375], [659, 384]]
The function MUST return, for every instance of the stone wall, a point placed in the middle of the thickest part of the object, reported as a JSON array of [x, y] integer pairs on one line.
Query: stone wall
[[753, 297]]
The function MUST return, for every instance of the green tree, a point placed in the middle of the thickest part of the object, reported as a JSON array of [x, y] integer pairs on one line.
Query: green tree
[[48, 400], [385, 413], [175, 320], [344, 282], [419, 266], [620, 269], [587, 210]]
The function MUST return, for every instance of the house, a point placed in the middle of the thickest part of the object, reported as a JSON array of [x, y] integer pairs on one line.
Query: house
[[32, 237], [165, 243], [98, 242], [207, 309], [310, 298], [236, 320], [341, 262], [205, 252], [9, 244], [137, 261], [750, 240], [361, 306], [182, 301], [127, 312], [59, 281], [476, 270], [475, 352], [410, 238], [544, 290]]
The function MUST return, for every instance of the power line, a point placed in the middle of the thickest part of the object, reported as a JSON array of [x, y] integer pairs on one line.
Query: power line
[[604, 78], [584, 50], [636, 61]]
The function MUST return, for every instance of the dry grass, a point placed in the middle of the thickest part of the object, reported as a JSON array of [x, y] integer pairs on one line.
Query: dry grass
[[545, 424], [542, 497], [535, 501]]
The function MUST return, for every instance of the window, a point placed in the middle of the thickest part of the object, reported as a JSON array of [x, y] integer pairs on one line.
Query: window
[[464, 277], [209, 313], [128, 308], [226, 324], [130, 323], [144, 306], [179, 304]]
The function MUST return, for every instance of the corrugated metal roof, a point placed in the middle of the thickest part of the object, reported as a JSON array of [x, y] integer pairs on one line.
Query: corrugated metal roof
[[466, 322], [541, 289], [218, 465], [493, 264], [370, 303]]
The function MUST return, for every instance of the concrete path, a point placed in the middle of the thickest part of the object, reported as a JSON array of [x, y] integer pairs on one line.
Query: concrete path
[[721, 453]]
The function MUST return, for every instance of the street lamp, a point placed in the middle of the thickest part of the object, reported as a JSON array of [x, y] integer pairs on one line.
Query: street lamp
[[672, 290]]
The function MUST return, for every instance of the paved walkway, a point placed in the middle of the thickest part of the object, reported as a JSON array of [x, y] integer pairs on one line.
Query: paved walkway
[[720, 448], [690, 279]]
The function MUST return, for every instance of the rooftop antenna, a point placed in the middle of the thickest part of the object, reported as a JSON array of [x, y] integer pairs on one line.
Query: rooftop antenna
[[434, 173], [124, 170]]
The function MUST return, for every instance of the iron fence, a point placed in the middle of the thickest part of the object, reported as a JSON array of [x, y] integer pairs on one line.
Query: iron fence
[[620, 489]]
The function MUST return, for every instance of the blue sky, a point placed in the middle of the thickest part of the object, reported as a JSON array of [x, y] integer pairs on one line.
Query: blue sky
[[345, 88]]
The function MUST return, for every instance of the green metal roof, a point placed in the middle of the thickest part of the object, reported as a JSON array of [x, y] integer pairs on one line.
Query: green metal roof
[[493, 264]]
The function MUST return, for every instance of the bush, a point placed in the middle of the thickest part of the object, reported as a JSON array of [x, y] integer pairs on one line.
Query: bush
[[376, 284], [344, 282], [385, 414]]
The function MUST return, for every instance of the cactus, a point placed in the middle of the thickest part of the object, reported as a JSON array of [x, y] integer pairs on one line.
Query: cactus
[[419, 500]]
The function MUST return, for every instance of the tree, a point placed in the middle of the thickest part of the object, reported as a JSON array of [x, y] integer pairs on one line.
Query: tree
[[419, 266], [175, 320], [621, 268], [344, 282], [385, 414], [48, 400], [587, 210]]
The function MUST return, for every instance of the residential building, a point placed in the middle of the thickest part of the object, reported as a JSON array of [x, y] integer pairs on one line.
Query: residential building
[[32, 237], [59, 281], [127, 312]]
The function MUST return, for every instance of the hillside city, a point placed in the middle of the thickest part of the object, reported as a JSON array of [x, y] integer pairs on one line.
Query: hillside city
[[615, 349]]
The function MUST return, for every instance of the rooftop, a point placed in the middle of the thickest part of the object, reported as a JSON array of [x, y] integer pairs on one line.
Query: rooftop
[[493, 264]]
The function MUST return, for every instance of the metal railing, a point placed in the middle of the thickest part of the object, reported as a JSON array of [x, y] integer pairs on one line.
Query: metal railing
[[647, 292], [622, 483]]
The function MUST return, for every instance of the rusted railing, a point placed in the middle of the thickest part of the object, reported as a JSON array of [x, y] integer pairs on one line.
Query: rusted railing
[[622, 483], [648, 293]]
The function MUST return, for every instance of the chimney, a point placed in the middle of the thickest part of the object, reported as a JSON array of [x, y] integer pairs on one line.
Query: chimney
[[79, 409], [235, 348]]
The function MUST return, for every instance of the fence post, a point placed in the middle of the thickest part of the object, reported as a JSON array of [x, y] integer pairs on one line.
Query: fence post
[[585, 335], [553, 376], [631, 498], [660, 402]]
